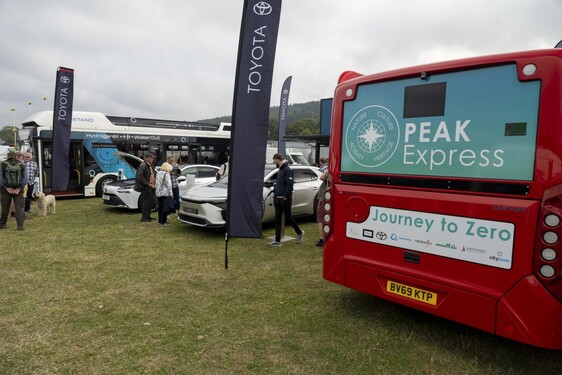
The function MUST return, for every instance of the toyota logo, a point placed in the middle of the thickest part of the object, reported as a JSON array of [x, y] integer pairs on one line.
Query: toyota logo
[[65, 79], [262, 8], [381, 236]]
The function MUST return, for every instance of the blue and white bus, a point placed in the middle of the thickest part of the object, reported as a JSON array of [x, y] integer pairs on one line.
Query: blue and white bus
[[95, 138]]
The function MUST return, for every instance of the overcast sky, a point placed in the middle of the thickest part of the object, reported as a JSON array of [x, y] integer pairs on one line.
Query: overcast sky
[[176, 59]]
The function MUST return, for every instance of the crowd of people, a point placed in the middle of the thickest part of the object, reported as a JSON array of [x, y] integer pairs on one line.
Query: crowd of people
[[162, 184], [17, 179], [19, 172]]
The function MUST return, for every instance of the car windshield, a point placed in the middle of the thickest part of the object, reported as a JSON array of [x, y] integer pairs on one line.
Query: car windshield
[[220, 184], [300, 159]]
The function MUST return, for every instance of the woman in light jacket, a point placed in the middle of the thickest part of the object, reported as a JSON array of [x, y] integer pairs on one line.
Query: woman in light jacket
[[163, 193]]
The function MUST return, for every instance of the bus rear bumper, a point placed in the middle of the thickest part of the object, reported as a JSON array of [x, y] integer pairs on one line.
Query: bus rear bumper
[[529, 313]]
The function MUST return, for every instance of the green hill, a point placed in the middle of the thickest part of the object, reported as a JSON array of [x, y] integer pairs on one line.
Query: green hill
[[302, 119]]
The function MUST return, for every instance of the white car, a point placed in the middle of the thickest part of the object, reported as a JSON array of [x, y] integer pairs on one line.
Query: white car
[[121, 193], [205, 206]]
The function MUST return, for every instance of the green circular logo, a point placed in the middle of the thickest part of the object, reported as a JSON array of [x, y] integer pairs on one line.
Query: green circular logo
[[372, 136]]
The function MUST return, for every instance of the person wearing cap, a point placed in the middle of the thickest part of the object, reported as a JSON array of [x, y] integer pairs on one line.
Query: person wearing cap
[[145, 183], [9, 194]]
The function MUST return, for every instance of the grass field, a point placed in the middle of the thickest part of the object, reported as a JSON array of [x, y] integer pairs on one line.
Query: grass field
[[92, 290]]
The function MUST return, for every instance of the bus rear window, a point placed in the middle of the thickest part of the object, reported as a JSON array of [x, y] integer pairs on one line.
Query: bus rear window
[[478, 123]]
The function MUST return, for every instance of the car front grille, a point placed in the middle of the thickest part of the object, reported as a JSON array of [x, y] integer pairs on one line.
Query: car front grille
[[193, 220], [113, 201]]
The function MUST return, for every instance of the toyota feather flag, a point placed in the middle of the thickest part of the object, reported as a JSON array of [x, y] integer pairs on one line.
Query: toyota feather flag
[[62, 121], [250, 117], [283, 107]]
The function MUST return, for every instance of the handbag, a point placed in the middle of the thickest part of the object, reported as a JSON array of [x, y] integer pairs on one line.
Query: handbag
[[169, 205]]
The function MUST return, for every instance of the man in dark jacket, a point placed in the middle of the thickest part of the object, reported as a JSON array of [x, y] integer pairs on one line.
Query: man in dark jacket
[[12, 181], [145, 184], [283, 200]]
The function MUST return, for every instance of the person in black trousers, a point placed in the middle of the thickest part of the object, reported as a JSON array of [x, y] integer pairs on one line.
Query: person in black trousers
[[145, 184], [283, 200]]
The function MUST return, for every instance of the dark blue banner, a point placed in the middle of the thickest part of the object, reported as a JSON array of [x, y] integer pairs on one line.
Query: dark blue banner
[[283, 107], [326, 115], [250, 117], [62, 121]]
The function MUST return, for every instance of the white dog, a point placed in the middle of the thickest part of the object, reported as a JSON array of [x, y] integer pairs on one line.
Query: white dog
[[45, 203]]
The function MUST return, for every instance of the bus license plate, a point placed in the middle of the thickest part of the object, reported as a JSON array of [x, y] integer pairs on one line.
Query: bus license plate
[[411, 292]]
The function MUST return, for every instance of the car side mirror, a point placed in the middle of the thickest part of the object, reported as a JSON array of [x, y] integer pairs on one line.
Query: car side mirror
[[269, 184], [181, 178]]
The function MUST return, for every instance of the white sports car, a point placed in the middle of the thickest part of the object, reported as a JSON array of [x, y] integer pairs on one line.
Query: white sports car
[[121, 193], [205, 206]]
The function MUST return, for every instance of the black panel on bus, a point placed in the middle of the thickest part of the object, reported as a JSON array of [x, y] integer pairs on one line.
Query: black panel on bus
[[425, 100]]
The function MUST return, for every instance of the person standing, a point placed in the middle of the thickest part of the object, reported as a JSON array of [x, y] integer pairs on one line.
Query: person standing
[[163, 193], [32, 170], [174, 175], [223, 171], [323, 164], [283, 200], [13, 179], [145, 184]]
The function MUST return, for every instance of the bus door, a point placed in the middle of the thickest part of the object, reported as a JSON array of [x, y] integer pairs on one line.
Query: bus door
[[76, 181], [195, 154]]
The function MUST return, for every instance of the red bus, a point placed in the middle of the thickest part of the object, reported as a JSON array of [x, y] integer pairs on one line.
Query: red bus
[[445, 191]]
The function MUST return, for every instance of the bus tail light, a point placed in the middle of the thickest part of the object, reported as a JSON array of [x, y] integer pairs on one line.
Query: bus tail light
[[327, 220], [547, 262]]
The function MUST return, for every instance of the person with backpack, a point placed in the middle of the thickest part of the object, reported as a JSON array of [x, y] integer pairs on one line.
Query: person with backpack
[[13, 179]]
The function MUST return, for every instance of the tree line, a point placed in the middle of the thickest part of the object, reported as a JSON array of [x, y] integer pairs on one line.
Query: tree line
[[7, 135], [302, 119]]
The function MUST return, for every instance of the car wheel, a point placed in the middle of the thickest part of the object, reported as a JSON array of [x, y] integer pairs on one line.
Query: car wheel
[[102, 182], [315, 208], [154, 206]]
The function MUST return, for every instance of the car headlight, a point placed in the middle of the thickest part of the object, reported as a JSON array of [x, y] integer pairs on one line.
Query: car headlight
[[220, 204]]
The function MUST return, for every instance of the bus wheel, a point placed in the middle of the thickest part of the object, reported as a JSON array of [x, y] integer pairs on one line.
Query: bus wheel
[[102, 182]]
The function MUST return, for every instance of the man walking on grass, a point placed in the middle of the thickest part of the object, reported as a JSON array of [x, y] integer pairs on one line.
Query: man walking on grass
[[283, 200]]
